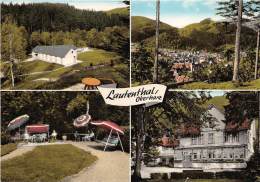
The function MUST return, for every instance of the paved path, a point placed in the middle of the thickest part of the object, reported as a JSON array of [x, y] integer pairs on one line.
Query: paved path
[[76, 87], [19, 151], [111, 166]]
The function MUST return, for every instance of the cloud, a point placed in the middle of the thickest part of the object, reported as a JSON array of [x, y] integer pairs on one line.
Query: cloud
[[182, 21]]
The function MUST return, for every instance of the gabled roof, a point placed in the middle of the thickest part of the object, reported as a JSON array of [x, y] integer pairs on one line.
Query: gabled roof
[[54, 50]]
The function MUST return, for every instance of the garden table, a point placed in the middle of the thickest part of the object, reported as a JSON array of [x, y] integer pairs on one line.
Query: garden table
[[90, 83]]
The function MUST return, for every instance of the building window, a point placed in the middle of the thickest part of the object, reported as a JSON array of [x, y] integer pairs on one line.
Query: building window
[[231, 156], [200, 139], [231, 138], [211, 138], [235, 138], [211, 154], [194, 140], [195, 156]]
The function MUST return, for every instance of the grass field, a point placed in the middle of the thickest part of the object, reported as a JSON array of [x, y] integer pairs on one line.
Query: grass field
[[97, 56], [68, 76], [38, 66], [46, 163], [223, 85], [6, 149]]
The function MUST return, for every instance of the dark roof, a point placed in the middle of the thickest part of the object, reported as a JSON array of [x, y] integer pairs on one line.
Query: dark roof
[[235, 126], [54, 50], [188, 130], [169, 142]]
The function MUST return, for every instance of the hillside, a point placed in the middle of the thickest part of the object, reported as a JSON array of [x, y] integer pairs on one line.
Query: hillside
[[218, 101], [119, 11], [143, 28], [206, 25], [205, 35]]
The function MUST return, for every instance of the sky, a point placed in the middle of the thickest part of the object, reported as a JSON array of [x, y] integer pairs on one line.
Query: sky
[[177, 13], [98, 5]]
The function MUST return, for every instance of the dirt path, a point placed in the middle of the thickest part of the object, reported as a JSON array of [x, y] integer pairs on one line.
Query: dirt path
[[17, 152], [111, 166]]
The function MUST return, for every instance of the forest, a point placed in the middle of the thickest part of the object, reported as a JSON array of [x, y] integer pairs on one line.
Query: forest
[[49, 24], [51, 17]]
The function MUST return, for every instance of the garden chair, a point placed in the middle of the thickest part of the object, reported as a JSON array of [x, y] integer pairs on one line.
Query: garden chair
[[26, 137], [76, 136], [32, 138], [43, 137], [88, 137]]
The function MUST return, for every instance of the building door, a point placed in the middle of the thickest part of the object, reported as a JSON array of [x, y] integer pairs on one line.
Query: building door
[[187, 160]]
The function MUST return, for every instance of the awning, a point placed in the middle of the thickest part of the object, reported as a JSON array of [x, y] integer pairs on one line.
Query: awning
[[108, 125], [37, 128], [17, 122]]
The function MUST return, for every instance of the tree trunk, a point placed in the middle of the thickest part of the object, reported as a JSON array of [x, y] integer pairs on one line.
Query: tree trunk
[[11, 57], [258, 126], [257, 53], [155, 73], [139, 145], [237, 44]]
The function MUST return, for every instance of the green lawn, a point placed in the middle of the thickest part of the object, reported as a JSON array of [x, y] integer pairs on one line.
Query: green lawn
[[97, 56], [6, 149], [68, 76], [223, 85], [38, 66], [46, 163]]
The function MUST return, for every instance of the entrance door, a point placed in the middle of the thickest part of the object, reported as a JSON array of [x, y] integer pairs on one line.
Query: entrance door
[[187, 160]]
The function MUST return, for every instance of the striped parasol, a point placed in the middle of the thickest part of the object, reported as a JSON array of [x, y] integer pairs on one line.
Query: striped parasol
[[82, 120], [17, 122]]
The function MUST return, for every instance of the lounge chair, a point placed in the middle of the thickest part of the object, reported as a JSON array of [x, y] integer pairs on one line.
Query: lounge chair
[[111, 142]]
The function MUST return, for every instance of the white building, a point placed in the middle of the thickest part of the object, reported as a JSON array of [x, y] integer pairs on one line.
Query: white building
[[215, 145], [60, 54]]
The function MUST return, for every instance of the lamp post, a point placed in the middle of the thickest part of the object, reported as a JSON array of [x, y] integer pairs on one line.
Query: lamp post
[[155, 73]]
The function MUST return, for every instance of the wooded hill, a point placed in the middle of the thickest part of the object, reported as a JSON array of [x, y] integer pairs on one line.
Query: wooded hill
[[207, 35], [61, 24], [60, 17]]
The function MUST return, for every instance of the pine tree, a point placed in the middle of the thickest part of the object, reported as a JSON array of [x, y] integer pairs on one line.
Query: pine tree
[[141, 66], [235, 9]]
